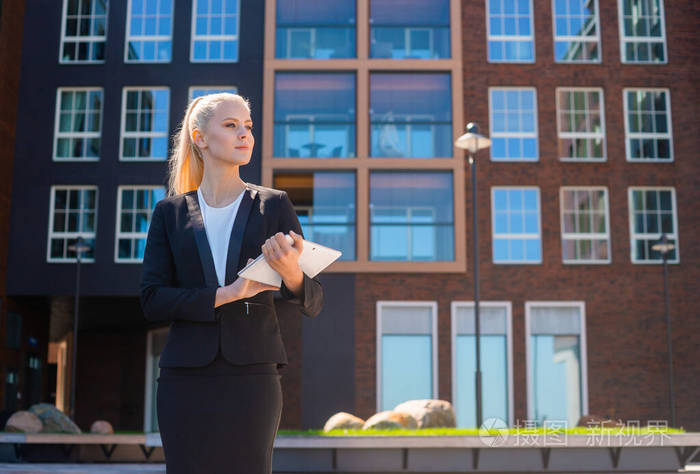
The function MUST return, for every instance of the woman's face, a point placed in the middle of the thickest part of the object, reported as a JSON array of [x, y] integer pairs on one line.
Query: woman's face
[[229, 135]]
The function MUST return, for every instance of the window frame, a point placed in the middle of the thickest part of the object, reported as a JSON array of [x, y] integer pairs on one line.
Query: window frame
[[493, 226], [122, 136], [642, 135], [194, 37], [191, 89], [434, 338], [68, 235], [131, 235], [636, 39], [562, 189], [579, 38], [575, 135], [534, 134], [92, 39], [127, 37], [85, 135], [454, 306], [490, 37], [630, 218], [582, 345]]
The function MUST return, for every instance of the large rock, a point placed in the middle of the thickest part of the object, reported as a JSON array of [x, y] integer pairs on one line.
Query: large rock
[[389, 420], [53, 419], [343, 421], [101, 427], [24, 422], [430, 413]]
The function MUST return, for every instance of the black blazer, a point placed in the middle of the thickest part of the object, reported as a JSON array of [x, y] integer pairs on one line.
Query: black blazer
[[178, 281]]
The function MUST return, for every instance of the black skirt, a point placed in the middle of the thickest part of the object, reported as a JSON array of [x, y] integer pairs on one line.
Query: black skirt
[[220, 418]]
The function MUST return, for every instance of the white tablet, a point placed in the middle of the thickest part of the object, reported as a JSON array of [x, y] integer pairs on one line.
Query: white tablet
[[313, 260]]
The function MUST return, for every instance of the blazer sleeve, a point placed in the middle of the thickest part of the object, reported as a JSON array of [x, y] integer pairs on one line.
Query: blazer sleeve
[[160, 299], [311, 300]]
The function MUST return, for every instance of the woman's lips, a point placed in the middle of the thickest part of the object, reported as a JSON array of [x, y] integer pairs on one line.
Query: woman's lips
[[241, 148]]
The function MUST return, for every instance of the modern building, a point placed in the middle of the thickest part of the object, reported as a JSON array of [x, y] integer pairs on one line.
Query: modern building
[[357, 103]]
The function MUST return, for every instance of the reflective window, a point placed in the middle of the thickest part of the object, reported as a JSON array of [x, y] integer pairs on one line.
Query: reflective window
[[652, 212], [314, 115], [642, 31], [197, 91], [149, 28], [648, 125], [135, 206], [145, 123], [509, 30], [576, 31], [73, 214], [495, 378], [513, 120], [315, 30], [78, 123], [215, 31], [416, 29], [325, 205], [84, 31], [406, 353], [411, 115], [585, 232], [517, 237], [580, 124], [411, 216], [555, 368]]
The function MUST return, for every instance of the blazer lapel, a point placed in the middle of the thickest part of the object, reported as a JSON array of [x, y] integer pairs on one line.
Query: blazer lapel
[[236, 240], [194, 213]]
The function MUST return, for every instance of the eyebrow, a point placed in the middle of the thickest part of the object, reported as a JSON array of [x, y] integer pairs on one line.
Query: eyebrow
[[233, 118]]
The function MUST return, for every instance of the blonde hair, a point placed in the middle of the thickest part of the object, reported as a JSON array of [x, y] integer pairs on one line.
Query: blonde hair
[[186, 166]]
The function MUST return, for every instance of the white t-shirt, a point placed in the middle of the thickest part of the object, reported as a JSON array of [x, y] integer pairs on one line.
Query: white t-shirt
[[218, 223]]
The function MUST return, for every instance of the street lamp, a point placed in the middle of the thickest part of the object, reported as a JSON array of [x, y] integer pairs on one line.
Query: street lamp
[[474, 142], [78, 248], [664, 246]]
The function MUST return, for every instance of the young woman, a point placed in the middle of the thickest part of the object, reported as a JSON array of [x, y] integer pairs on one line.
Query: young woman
[[219, 397]]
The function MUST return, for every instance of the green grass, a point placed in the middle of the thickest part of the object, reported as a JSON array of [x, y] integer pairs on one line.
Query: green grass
[[475, 432]]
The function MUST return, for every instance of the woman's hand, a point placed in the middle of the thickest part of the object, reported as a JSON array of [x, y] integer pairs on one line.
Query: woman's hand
[[282, 256], [245, 288]]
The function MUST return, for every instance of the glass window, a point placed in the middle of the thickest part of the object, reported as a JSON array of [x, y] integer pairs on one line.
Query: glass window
[[135, 206], [516, 225], [325, 205], [652, 212], [555, 367], [149, 28], [215, 31], [648, 125], [78, 124], [513, 120], [84, 31], [198, 91], [72, 214], [509, 30], [415, 29], [156, 343], [495, 376], [406, 353], [585, 232], [315, 30], [580, 124], [411, 216], [145, 123], [314, 115], [411, 115], [576, 31], [642, 31]]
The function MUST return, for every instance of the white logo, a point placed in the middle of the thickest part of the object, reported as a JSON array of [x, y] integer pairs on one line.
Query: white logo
[[498, 432]]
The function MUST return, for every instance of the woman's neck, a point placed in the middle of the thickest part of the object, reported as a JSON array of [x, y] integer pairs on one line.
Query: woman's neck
[[221, 185]]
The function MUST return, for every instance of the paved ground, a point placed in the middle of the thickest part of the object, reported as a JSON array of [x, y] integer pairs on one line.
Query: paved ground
[[84, 468]]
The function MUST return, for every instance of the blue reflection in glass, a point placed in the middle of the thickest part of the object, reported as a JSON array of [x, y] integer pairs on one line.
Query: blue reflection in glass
[[494, 378], [407, 368]]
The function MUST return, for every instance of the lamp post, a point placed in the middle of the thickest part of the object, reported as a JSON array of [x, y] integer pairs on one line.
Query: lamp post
[[473, 142], [78, 248], [664, 247]]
